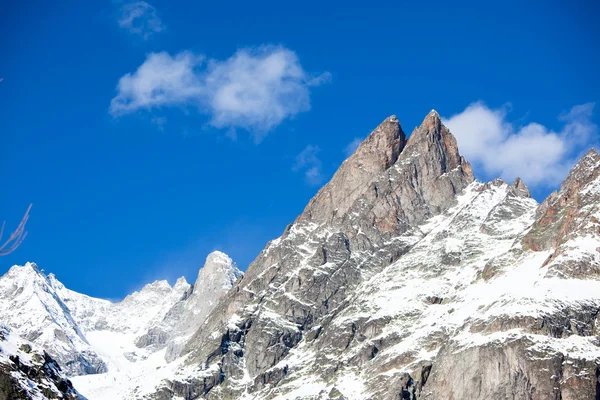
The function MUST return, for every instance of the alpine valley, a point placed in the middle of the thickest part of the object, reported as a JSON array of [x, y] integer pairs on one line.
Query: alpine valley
[[403, 278]]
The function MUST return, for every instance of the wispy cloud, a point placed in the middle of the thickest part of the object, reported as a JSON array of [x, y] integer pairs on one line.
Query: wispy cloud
[[539, 155], [159, 122], [308, 162], [140, 18], [255, 89], [352, 146]]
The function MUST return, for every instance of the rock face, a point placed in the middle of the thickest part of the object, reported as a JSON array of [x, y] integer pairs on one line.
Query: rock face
[[27, 372], [365, 218], [406, 279], [569, 223], [174, 327]]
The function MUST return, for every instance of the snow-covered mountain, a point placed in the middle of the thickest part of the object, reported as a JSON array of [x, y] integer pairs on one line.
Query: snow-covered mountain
[[406, 278], [28, 372], [403, 278], [91, 336]]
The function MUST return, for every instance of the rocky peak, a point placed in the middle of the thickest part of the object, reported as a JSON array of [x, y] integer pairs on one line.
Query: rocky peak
[[569, 210], [219, 270], [373, 156], [430, 152], [433, 142], [586, 170], [181, 283], [381, 148], [519, 188], [363, 219]]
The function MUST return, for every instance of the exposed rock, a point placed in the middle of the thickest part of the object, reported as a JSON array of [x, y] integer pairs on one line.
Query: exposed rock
[[27, 373], [568, 220], [362, 220]]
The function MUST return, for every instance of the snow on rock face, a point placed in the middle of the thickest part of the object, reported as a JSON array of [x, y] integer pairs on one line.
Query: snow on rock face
[[215, 278], [403, 278], [41, 309], [31, 305], [28, 372]]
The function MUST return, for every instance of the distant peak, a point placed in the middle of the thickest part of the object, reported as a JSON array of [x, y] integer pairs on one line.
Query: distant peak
[[218, 256], [218, 262], [28, 267], [159, 284], [218, 267], [181, 281], [520, 188]]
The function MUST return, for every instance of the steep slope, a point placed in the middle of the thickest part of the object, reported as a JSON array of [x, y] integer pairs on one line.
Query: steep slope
[[174, 327], [27, 372], [358, 223], [137, 362], [32, 306], [405, 278], [83, 333]]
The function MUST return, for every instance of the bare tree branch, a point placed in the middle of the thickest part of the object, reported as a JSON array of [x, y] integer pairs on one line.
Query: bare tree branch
[[15, 238]]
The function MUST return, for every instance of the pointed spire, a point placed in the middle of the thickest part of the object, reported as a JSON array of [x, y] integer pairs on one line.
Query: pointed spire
[[432, 119], [519, 188], [433, 136], [382, 146]]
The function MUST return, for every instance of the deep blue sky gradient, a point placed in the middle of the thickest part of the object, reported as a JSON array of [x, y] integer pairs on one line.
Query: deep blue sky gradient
[[120, 202]]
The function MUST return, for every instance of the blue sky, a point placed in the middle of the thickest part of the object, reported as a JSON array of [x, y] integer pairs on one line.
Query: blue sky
[[148, 134]]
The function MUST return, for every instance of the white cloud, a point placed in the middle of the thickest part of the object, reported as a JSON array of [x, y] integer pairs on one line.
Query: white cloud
[[140, 18], [308, 162], [539, 155], [352, 146], [255, 89]]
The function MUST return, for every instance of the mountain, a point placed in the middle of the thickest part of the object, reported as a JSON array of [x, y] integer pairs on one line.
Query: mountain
[[89, 336], [406, 278], [28, 372], [403, 278]]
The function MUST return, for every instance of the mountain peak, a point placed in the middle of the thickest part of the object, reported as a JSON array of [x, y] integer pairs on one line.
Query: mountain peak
[[579, 195], [382, 147], [586, 170], [432, 121], [219, 269], [434, 139], [520, 188]]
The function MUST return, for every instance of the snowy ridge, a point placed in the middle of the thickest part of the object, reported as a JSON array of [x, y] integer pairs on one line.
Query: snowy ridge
[[438, 293], [96, 341]]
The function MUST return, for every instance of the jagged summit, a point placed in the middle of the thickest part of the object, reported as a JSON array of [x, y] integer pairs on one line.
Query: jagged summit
[[433, 120], [520, 188], [381, 148], [569, 219], [220, 270], [430, 152]]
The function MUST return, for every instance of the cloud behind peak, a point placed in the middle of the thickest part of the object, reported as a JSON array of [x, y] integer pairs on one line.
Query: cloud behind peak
[[540, 155]]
